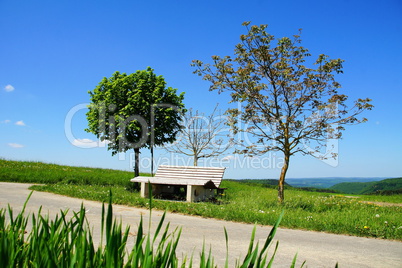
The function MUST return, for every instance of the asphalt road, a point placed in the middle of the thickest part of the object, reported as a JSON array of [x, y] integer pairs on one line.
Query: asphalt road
[[316, 248]]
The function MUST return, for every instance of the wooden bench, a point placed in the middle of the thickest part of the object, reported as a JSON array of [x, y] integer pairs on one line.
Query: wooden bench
[[200, 182]]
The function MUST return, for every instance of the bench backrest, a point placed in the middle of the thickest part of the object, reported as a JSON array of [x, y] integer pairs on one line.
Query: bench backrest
[[204, 174]]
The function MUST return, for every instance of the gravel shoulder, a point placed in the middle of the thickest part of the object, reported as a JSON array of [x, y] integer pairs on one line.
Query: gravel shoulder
[[316, 248]]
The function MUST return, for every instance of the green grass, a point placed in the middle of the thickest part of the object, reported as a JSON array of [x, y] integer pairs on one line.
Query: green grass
[[333, 213]]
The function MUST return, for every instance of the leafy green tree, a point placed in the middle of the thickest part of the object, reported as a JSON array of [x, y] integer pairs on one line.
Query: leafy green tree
[[286, 106], [134, 111]]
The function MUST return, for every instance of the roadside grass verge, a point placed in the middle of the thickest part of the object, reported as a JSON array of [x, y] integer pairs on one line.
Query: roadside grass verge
[[333, 213]]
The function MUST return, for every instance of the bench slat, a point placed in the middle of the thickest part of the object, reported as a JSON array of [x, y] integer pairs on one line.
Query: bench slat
[[187, 175]]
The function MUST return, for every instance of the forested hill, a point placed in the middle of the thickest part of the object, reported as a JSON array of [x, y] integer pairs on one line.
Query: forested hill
[[387, 186]]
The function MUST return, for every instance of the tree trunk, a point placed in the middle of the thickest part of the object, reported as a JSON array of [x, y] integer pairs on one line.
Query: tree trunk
[[152, 160], [195, 161], [281, 184], [137, 162]]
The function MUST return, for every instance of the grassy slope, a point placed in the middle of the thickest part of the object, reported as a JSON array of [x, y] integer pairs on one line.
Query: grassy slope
[[351, 187], [37, 172], [368, 187], [241, 202]]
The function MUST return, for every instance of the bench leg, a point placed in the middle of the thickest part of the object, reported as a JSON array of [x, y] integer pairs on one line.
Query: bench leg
[[144, 189], [190, 195]]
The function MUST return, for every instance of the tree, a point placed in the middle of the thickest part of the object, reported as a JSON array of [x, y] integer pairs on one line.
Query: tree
[[134, 111], [286, 104], [201, 136]]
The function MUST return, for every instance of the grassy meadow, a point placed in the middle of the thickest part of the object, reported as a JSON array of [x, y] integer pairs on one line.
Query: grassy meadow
[[359, 215]]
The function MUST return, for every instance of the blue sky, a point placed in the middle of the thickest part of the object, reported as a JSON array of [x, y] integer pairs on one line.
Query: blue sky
[[53, 52]]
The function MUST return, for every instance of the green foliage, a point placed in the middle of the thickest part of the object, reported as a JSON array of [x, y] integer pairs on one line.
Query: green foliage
[[134, 111], [126, 108], [374, 187]]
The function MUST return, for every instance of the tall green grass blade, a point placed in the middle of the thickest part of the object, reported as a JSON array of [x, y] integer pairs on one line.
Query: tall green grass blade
[[273, 231], [227, 248], [294, 261], [273, 255], [249, 256], [251, 244], [159, 227], [150, 197], [102, 225], [206, 261]]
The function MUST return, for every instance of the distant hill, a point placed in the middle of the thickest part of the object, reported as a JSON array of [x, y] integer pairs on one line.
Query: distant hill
[[327, 182], [373, 187], [337, 184], [323, 183]]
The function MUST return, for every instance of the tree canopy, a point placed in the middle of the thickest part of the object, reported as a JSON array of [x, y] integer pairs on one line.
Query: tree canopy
[[285, 105], [134, 111]]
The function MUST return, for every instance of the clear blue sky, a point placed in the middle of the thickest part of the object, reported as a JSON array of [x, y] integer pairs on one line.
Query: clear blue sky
[[53, 52]]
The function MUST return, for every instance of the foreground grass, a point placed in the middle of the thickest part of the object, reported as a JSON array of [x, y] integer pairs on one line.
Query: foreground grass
[[68, 242], [243, 203]]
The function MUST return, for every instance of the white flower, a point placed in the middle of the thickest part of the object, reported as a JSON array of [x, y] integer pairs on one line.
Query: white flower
[[377, 215]]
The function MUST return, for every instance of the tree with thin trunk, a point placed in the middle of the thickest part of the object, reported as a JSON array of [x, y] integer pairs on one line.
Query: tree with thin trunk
[[285, 105], [135, 111], [201, 136]]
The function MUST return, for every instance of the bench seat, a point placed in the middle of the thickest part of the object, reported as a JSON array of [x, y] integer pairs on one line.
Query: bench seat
[[195, 178]]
